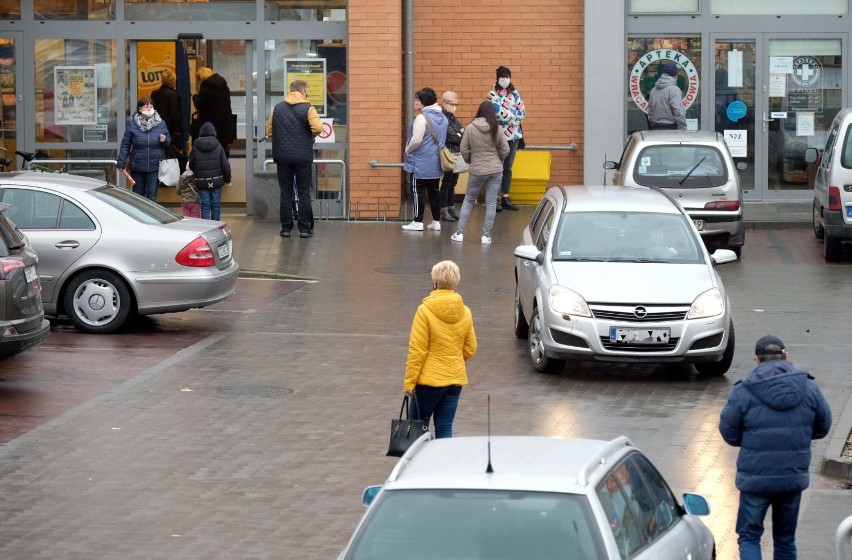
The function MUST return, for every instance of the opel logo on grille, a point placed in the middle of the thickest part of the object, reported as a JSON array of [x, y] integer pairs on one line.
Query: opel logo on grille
[[640, 312]]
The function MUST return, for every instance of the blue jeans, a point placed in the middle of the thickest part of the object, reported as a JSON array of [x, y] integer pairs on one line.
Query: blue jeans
[[211, 203], [146, 184], [440, 402], [474, 183], [785, 515], [506, 183]]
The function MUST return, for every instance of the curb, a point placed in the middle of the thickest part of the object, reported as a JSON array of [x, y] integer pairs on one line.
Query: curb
[[833, 465], [776, 224]]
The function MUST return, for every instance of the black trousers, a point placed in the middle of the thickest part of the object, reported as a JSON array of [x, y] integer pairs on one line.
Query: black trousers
[[424, 189], [300, 173], [448, 189]]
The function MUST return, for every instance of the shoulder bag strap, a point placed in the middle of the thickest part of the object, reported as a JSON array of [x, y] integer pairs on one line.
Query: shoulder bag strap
[[432, 130]]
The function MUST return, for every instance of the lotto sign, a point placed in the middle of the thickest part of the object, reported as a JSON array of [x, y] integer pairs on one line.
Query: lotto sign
[[327, 133], [655, 58]]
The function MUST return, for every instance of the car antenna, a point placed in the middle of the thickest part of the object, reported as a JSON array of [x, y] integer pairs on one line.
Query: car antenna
[[604, 169], [489, 469]]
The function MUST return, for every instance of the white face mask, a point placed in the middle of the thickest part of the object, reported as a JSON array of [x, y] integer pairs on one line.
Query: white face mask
[[504, 82], [147, 112]]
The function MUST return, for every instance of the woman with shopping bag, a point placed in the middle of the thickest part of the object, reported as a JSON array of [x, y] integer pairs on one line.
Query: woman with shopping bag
[[145, 142]]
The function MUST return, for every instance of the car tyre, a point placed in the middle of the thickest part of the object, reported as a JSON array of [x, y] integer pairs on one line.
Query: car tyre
[[738, 250], [522, 328], [832, 248], [97, 301], [819, 231], [541, 362], [722, 366]]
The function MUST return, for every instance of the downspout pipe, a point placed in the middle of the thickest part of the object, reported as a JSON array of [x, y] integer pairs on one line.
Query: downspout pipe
[[408, 87]]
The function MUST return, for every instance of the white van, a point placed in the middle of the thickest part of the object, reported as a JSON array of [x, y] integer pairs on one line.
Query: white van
[[832, 211]]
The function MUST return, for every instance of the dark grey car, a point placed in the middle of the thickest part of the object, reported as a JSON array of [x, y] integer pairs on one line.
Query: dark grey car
[[22, 322]]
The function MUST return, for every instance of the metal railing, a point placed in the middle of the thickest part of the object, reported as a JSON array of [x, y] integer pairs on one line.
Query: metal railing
[[843, 539]]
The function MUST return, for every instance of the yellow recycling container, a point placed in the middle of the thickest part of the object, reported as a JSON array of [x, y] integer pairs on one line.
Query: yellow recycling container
[[530, 174]]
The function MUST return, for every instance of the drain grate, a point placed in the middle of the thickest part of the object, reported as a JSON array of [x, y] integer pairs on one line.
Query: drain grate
[[252, 391], [797, 207]]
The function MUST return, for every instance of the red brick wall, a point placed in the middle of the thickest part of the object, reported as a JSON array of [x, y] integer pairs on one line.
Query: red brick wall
[[458, 46]]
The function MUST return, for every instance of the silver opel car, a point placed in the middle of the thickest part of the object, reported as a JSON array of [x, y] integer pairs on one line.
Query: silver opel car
[[105, 253], [620, 274], [528, 498]]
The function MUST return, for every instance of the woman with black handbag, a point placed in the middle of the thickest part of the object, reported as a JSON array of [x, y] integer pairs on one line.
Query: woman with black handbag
[[442, 339]]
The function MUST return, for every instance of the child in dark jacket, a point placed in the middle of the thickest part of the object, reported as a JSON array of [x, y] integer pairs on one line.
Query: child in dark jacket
[[212, 171], [190, 206]]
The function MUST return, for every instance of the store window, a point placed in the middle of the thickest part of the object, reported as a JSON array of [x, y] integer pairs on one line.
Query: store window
[[75, 91], [646, 57], [233, 10], [93, 10], [305, 10], [663, 6], [10, 9], [779, 7]]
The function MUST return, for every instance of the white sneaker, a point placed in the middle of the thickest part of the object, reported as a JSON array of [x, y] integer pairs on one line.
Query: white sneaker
[[457, 236], [486, 240], [434, 225], [413, 226]]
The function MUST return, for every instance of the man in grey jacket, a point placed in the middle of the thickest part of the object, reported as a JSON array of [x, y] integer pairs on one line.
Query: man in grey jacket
[[665, 101]]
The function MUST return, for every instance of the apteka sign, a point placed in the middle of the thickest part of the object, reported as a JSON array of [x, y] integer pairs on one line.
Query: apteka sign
[[652, 59]]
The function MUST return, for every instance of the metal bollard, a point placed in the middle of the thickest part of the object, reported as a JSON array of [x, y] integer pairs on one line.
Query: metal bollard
[[843, 539]]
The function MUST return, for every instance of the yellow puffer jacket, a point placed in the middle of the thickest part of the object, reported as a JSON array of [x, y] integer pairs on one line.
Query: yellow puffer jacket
[[442, 339]]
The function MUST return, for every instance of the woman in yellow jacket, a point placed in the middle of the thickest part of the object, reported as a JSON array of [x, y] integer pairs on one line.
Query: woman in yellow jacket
[[442, 340]]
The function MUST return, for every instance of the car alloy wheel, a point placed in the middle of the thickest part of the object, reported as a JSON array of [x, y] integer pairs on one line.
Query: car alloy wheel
[[541, 362], [522, 328], [97, 301]]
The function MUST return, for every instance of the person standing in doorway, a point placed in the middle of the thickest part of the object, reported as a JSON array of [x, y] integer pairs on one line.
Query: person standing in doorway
[[772, 415], [167, 103], [425, 139], [212, 171], [484, 148], [143, 145], [665, 101], [293, 125], [442, 339], [449, 104], [510, 114], [213, 105]]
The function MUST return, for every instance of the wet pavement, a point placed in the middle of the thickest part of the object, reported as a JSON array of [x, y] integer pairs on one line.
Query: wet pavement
[[250, 430]]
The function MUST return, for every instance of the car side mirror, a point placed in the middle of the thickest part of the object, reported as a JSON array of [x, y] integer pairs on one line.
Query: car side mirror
[[695, 504], [610, 165], [530, 253], [370, 493], [722, 256], [811, 155]]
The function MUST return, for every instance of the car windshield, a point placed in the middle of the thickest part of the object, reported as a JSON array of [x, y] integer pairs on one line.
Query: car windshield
[[680, 165], [626, 237], [137, 207], [478, 525]]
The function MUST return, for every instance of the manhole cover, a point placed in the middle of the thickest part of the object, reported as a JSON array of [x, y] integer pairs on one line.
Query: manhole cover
[[252, 391], [802, 207], [404, 270]]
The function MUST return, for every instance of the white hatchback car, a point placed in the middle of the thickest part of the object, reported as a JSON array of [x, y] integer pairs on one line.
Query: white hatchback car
[[620, 274], [105, 253], [528, 498]]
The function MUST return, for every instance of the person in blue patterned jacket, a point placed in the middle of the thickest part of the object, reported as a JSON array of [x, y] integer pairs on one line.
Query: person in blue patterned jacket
[[772, 415], [510, 114]]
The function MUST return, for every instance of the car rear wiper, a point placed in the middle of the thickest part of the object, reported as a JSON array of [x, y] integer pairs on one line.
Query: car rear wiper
[[691, 170]]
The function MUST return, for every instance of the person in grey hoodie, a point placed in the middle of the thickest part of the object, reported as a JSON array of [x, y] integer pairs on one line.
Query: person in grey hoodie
[[772, 416], [484, 148], [665, 101]]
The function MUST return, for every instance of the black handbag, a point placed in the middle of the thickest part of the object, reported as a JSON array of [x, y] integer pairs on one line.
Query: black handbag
[[404, 432]]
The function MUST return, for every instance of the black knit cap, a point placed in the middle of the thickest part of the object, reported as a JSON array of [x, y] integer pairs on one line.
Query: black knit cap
[[503, 71], [769, 346]]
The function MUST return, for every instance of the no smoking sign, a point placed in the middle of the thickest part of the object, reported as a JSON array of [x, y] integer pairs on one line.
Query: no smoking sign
[[327, 132]]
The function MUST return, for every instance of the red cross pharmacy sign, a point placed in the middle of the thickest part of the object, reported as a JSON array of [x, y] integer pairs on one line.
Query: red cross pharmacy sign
[[654, 58]]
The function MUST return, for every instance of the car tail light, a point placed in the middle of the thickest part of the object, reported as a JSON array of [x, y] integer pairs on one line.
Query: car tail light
[[7, 266], [833, 198], [730, 205], [197, 253]]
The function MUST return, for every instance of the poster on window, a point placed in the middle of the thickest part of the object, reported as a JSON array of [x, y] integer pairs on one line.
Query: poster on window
[[75, 95], [311, 71]]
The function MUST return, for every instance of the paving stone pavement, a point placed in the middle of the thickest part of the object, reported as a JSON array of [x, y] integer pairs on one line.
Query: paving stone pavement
[[255, 442]]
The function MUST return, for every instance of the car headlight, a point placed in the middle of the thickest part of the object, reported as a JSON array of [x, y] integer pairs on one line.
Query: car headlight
[[709, 304], [568, 302]]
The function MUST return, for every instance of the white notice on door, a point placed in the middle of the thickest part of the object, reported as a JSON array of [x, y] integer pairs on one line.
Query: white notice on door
[[777, 85], [805, 123], [737, 141]]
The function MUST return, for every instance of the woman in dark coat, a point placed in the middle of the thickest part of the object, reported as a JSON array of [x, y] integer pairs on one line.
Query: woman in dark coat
[[167, 103], [213, 105], [144, 144]]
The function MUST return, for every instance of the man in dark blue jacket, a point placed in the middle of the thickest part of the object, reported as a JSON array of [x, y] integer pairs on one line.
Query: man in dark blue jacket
[[772, 415]]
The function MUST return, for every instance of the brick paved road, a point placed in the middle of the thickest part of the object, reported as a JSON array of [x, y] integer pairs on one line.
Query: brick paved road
[[286, 420]]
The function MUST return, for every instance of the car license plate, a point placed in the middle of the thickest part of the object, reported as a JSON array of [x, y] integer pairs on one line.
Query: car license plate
[[699, 224], [224, 252], [639, 336], [30, 274], [849, 211]]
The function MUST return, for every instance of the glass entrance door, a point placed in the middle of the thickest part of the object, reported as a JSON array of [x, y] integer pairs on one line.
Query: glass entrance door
[[10, 99], [803, 81]]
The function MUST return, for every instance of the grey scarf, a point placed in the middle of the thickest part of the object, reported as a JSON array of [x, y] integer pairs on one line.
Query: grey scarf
[[146, 124]]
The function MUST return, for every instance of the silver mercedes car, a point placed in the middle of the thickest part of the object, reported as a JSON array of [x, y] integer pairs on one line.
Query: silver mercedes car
[[105, 253], [620, 274]]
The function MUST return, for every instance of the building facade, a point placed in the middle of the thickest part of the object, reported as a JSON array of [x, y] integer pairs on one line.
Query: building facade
[[766, 73]]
